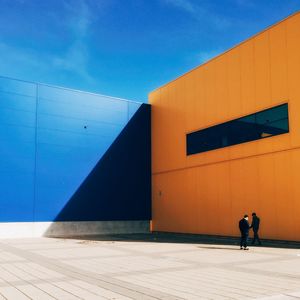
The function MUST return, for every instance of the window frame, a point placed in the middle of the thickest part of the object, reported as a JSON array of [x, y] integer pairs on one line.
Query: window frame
[[190, 148]]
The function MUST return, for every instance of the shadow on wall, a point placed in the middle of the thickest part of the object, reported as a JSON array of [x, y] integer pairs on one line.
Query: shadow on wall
[[119, 187]]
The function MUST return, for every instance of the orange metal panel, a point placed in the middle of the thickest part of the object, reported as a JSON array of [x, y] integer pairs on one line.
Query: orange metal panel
[[293, 69], [209, 192], [250, 184], [295, 179], [190, 200], [192, 107], [220, 111], [221, 90], [226, 220], [283, 198], [157, 121], [234, 83], [262, 70], [267, 209], [209, 89], [202, 196], [236, 175], [278, 63], [175, 127], [247, 78], [200, 116], [212, 201]]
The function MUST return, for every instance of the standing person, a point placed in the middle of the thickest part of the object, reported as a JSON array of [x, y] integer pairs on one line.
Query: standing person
[[244, 228], [255, 228]]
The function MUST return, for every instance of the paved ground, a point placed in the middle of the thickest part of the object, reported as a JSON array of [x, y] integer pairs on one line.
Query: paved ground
[[145, 267]]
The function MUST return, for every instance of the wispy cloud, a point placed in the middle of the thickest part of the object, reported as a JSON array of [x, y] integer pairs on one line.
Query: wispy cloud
[[76, 56], [73, 59], [21, 63], [78, 16], [200, 12], [183, 4]]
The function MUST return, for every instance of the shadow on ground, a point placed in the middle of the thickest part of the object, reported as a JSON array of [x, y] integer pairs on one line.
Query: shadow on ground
[[213, 242]]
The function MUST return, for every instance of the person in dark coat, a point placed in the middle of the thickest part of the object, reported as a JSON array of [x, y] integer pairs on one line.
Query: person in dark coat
[[244, 229], [255, 228]]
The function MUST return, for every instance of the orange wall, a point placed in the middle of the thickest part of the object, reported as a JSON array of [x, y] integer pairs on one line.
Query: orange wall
[[209, 192]]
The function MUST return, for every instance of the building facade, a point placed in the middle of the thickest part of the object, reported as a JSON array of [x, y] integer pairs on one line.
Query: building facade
[[72, 162], [226, 140], [218, 142]]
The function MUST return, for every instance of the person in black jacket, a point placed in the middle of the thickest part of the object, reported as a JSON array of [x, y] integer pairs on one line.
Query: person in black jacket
[[244, 228], [255, 228]]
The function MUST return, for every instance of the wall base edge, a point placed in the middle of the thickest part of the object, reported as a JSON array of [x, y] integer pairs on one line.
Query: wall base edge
[[68, 229]]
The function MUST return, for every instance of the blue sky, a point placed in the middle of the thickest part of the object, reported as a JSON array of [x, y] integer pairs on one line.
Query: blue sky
[[124, 48]]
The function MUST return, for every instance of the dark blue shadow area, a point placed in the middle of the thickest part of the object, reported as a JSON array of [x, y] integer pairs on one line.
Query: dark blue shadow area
[[119, 187]]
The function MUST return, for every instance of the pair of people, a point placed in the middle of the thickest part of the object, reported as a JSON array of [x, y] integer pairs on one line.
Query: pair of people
[[245, 227]]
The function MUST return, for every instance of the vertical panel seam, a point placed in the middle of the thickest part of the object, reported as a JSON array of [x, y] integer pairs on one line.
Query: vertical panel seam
[[35, 155], [254, 73], [270, 66]]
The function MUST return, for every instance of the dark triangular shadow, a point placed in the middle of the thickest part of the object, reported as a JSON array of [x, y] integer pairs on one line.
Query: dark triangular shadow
[[119, 187]]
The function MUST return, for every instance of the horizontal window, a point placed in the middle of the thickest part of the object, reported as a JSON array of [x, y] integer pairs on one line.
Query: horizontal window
[[263, 124]]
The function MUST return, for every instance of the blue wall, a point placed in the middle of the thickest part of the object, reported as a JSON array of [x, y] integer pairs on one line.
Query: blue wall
[[57, 147]]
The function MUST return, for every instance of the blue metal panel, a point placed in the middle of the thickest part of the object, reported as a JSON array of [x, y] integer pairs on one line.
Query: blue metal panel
[[17, 87], [119, 187], [132, 108], [17, 102], [17, 151], [82, 106], [54, 141], [74, 131]]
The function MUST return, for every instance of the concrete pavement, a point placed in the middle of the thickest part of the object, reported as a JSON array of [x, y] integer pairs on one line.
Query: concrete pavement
[[145, 267]]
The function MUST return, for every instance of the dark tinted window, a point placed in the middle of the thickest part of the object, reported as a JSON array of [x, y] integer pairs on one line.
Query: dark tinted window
[[256, 126]]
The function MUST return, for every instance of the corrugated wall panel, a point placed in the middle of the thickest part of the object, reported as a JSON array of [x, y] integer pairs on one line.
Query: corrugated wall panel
[[53, 138], [210, 192], [17, 151]]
